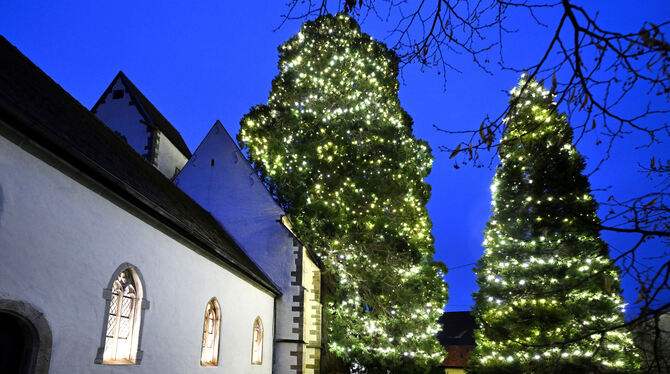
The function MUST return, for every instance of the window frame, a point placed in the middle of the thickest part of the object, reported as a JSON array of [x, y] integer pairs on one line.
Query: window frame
[[257, 322], [140, 304], [216, 330]]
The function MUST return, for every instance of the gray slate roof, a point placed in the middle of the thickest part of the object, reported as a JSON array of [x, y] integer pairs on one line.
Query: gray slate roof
[[37, 107]]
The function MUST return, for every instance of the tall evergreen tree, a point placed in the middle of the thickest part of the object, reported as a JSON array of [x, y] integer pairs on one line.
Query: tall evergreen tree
[[549, 295], [337, 150]]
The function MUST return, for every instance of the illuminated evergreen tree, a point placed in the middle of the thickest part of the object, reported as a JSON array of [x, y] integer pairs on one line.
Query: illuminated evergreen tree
[[336, 149], [549, 295]]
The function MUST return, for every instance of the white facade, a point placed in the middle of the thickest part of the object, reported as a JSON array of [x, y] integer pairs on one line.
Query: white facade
[[62, 236], [121, 109], [220, 179]]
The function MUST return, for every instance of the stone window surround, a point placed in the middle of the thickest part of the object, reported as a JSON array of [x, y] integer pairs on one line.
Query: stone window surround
[[143, 304]]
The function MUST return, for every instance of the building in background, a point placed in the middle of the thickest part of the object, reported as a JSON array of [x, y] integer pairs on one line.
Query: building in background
[[108, 265], [458, 339]]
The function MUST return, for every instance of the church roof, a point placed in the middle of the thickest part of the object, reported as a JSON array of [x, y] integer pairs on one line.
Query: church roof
[[149, 112], [36, 107], [457, 329]]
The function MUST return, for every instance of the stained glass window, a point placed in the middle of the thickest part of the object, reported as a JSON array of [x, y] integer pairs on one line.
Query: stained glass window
[[257, 343], [210, 334], [121, 321]]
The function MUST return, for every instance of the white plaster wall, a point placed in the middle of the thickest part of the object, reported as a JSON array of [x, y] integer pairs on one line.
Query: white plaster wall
[[60, 244], [123, 118], [232, 192], [285, 358], [235, 196], [169, 157]]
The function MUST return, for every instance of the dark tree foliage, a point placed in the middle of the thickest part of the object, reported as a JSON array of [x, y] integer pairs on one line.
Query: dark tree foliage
[[337, 150], [614, 83], [549, 298]]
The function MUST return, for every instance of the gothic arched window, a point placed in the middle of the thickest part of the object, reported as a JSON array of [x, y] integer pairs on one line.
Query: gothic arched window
[[210, 334], [123, 319], [257, 343]]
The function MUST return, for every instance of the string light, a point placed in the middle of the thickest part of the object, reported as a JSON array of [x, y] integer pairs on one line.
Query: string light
[[547, 287], [337, 150]]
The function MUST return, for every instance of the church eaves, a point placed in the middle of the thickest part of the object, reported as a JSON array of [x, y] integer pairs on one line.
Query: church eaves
[[37, 109]]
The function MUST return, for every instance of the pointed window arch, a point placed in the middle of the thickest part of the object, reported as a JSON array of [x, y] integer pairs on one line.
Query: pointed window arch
[[122, 327], [257, 342], [210, 334]]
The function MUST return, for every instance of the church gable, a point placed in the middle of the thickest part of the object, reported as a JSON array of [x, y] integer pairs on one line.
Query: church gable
[[116, 109], [220, 179], [125, 110], [218, 171]]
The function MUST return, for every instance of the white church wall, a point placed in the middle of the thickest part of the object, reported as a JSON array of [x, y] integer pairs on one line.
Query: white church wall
[[60, 243], [170, 160], [221, 180], [122, 117]]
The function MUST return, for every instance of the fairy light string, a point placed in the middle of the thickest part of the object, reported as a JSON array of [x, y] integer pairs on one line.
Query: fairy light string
[[546, 277], [336, 149]]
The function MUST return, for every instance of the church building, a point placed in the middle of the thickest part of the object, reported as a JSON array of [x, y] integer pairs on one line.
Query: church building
[[121, 251]]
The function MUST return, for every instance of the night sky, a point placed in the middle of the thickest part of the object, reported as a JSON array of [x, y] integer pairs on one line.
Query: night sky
[[203, 61]]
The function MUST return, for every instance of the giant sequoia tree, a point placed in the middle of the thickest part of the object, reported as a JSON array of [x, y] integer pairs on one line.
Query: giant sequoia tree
[[549, 298], [336, 149]]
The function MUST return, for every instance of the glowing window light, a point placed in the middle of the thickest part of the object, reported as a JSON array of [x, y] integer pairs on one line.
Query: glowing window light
[[123, 320], [257, 343], [210, 334]]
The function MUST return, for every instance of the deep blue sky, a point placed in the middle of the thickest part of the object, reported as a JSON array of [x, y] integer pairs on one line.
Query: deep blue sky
[[200, 61]]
